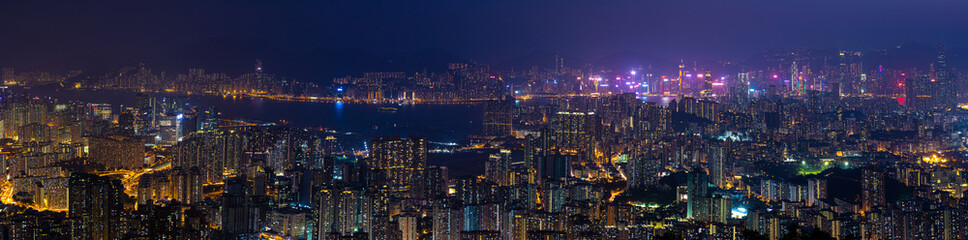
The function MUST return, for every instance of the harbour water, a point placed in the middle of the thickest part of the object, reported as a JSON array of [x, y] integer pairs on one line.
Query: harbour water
[[356, 122]]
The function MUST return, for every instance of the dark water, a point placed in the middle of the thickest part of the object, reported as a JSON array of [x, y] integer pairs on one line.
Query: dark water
[[439, 123]]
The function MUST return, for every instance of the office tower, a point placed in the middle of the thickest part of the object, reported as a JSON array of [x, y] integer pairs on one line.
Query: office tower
[[677, 88], [947, 86], [207, 118], [498, 117], [797, 88], [873, 194], [144, 113], [920, 93], [849, 69], [707, 90], [559, 65], [816, 190], [97, 204], [399, 160], [168, 130], [99, 111]]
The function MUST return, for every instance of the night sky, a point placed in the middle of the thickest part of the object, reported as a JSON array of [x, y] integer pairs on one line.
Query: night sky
[[39, 32]]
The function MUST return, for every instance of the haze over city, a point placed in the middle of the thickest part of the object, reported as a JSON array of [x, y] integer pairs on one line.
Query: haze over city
[[61, 35]]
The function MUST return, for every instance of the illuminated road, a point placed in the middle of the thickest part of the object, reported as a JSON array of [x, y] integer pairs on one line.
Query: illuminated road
[[130, 178], [6, 192]]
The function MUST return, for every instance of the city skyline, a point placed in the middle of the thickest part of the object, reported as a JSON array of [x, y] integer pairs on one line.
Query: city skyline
[[496, 120]]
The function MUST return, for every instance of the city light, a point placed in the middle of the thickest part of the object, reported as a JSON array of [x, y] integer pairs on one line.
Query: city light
[[387, 121]]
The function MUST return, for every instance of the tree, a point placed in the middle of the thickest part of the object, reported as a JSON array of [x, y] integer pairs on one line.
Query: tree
[[792, 232]]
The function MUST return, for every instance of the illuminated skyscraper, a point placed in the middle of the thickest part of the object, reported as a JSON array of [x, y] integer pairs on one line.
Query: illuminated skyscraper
[[408, 225], [574, 133], [497, 168], [796, 81], [498, 116], [716, 159], [739, 91], [682, 73], [236, 211], [707, 90], [325, 212], [97, 204], [447, 218], [555, 166], [697, 191], [920, 93], [816, 190], [435, 182], [873, 194], [643, 171], [342, 212], [700, 107], [946, 87], [8, 75], [559, 65], [117, 151], [399, 160]]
